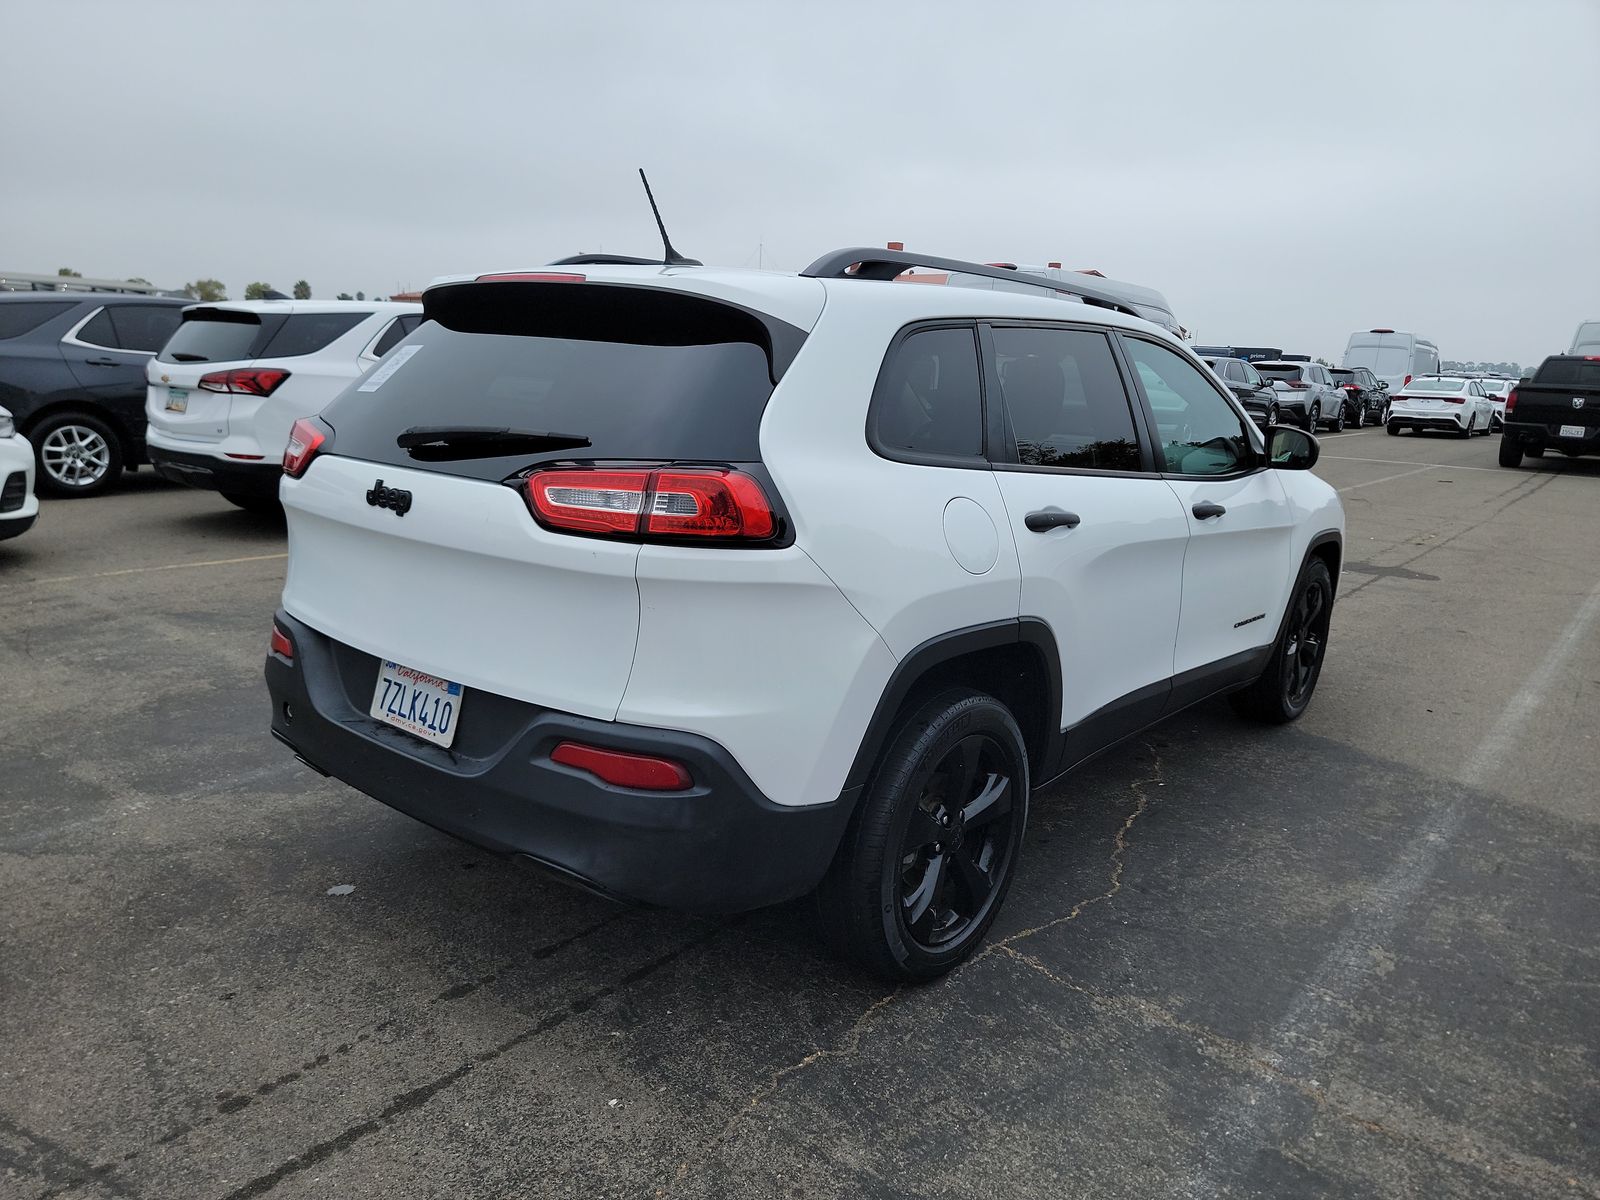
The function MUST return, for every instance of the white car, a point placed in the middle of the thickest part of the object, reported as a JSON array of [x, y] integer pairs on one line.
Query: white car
[[229, 384], [1497, 389], [19, 507], [1452, 403], [710, 588]]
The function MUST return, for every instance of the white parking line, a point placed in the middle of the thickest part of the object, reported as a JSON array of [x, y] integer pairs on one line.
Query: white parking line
[[1352, 959], [1352, 487], [213, 562], [1403, 462]]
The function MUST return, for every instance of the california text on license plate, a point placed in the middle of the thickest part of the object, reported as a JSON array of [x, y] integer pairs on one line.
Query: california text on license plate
[[177, 400], [1576, 431], [423, 705]]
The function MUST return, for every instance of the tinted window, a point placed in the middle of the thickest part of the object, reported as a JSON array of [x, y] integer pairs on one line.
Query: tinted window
[[213, 335], [144, 326], [1200, 433], [1064, 399], [1270, 373], [306, 333], [1569, 372], [1251, 375], [398, 328], [928, 399], [19, 317], [98, 332], [647, 377]]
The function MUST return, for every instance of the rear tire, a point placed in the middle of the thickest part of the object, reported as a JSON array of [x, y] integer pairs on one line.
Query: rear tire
[[1361, 417], [931, 851], [1472, 421], [1337, 424], [262, 506], [1284, 690], [1393, 429], [1510, 453], [1313, 417]]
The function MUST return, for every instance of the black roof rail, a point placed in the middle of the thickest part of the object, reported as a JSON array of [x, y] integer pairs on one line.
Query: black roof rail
[[887, 264], [622, 260]]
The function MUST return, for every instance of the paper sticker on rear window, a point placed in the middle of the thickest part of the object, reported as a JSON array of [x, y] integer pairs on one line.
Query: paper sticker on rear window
[[381, 376]]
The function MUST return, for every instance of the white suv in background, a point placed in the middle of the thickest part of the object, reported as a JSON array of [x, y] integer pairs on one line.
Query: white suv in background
[[19, 507], [711, 588], [229, 384]]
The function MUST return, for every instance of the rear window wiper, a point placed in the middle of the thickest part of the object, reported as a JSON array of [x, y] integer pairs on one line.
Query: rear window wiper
[[439, 443]]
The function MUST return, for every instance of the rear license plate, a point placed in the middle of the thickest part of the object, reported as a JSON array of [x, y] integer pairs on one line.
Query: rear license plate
[[177, 399], [425, 706], [1573, 431]]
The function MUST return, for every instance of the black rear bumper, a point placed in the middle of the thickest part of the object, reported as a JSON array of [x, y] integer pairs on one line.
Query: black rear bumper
[[217, 474], [1540, 436], [719, 846], [11, 527]]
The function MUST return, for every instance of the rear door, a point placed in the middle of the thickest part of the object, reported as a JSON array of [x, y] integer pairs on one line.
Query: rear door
[[108, 350], [1100, 536], [209, 339], [1238, 570]]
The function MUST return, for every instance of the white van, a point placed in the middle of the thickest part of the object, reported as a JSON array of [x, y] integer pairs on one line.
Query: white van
[[1395, 358], [1587, 339]]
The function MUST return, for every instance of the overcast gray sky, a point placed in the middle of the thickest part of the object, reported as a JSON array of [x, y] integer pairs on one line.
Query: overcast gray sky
[[1285, 172]]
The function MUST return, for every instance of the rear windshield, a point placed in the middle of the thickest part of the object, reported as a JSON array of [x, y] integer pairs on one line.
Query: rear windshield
[[1569, 372], [1438, 387], [229, 335], [636, 373], [23, 316], [1270, 373]]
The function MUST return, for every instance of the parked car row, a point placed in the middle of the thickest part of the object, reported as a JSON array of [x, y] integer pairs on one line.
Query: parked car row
[[98, 383]]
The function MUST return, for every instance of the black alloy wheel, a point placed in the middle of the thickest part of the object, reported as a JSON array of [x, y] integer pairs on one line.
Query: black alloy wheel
[[1283, 690], [931, 849]]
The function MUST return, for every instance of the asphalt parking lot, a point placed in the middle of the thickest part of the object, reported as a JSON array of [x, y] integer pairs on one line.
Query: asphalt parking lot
[[1353, 957]]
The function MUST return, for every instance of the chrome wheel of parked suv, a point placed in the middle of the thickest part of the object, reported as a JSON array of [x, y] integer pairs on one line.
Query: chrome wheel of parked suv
[[929, 858], [79, 455]]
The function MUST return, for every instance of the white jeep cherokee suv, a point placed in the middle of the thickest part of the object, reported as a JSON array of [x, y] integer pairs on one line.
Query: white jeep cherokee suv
[[233, 378], [711, 588]]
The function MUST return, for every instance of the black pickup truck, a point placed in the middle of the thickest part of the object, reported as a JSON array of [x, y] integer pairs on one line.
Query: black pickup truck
[[1558, 409]]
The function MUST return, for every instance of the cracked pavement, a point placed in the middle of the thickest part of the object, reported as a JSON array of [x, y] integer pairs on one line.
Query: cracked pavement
[[1356, 957]]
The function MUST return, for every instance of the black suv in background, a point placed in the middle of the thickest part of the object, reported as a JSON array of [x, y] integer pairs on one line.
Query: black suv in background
[[1365, 396], [72, 374], [1257, 396]]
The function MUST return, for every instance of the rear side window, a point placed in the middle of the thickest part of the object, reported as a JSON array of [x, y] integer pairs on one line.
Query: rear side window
[[928, 400], [1064, 400], [24, 316], [98, 332], [398, 329], [144, 327], [306, 333], [598, 372]]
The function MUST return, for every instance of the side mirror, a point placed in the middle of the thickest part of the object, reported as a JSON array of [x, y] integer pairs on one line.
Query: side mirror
[[1290, 449], [1383, 385]]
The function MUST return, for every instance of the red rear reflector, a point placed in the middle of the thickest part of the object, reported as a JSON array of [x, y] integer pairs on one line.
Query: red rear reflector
[[1511, 401], [305, 439], [716, 502], [1297, 383], [280, 644], [624, 770], [247, 457], [244, 381], [531, 277]]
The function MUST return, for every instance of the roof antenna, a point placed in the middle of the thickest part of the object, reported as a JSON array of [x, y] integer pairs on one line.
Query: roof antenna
[[669, 257]]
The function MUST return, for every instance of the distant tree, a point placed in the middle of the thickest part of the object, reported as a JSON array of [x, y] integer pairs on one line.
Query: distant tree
[[302, 290], [136, 279], [69, 273], [208, 290], [361, 295], [1324, 363], [345, 296], [256, 291]]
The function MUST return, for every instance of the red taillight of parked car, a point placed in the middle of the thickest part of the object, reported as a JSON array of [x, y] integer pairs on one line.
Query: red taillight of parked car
[[1297, 384], [1511, 402], [279, 644], [244, 381], [716, 503], [1407, 382], [621, 769], [308, 436]]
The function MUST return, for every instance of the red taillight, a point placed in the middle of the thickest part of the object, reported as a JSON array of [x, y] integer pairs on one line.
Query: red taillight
[[1454, 399], [306, 438], [624, 770], [244, 381], [716, 502], [1511, 401], [280, 644], [531, 277], [1406, 382], [1297, 383]]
